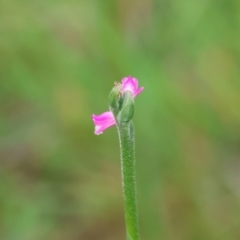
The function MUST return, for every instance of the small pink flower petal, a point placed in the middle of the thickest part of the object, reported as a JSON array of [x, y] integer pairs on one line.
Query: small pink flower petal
[[103, 121], [131, 84]]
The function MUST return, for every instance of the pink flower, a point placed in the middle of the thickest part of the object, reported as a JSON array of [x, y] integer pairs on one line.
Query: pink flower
[[103, 121], [106, 119], [131, 84]]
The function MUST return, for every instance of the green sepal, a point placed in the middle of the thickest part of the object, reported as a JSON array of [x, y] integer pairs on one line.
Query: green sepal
[[127, 108], [114, 99]]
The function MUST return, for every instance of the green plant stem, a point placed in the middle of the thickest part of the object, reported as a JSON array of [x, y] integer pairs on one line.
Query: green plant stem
[[126, 137]]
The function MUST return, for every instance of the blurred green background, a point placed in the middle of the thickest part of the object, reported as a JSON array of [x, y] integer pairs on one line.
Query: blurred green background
[[58, 62]]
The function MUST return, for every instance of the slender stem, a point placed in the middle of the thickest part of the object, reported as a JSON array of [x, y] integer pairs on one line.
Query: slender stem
[[126, 137]]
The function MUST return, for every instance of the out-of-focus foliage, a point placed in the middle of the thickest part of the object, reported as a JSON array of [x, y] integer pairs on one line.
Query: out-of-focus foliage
[[58, 62]]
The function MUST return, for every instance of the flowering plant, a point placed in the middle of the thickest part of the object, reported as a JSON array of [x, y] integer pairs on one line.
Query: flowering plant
[[121, 106]]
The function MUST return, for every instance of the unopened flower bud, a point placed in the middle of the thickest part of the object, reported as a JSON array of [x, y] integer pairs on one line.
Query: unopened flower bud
[[127, 108], [115, 98]]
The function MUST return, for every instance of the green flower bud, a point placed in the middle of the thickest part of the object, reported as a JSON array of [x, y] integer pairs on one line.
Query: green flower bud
[[127, 108], [114, 98]]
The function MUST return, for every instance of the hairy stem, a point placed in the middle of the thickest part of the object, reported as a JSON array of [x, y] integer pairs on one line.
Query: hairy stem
[[126, 137]]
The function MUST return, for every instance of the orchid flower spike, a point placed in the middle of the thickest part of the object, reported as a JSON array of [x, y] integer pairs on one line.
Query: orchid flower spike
[[107, 119]]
